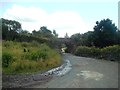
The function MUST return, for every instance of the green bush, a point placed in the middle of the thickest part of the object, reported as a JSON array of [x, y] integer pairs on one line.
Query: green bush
[[87, 51], [109, 53], [81, 50], [95, 52], [7, 59]]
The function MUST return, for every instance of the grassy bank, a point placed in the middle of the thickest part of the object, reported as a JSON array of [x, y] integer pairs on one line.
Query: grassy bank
[[108, 53], [28, 57]]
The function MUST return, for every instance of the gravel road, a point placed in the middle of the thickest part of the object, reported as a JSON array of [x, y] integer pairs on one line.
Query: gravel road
[[85, 73]]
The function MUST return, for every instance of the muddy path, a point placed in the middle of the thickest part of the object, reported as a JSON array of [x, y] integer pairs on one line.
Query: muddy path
[[75, 72], [85, 73]]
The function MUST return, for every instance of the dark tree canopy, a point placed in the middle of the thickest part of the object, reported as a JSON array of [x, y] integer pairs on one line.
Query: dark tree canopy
[[104, 33], [118, 37], [10, 29], [82, 39], [76, 37], [25, 32], [11, 24], [44, 32], [86, 39]]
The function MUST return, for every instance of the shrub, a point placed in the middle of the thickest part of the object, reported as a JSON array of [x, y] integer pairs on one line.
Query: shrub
[[95, 52], [35, 44], [7, 59], [83, 51], [24, 44], [7, 43], [109, 53]]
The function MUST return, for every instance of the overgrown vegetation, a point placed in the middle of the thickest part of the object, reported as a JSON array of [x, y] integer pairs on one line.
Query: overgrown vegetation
[[108, 53], [103, 42], [28, 57], [105, 33], [12, 31], [25, 52]]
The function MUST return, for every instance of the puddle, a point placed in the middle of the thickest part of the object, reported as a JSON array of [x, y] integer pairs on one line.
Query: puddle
[[90, 75], [60, 71], [66, 69]]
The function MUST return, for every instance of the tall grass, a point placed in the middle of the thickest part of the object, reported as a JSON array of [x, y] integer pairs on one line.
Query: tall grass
[[28, 57]]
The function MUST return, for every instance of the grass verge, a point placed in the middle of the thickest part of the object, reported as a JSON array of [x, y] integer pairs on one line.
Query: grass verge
[[28, 57]]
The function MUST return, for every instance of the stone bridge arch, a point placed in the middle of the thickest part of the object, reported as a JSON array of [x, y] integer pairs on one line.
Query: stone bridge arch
[[66, 42]]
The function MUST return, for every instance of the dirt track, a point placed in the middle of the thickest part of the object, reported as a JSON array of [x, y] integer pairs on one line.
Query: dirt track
[[85, 73]]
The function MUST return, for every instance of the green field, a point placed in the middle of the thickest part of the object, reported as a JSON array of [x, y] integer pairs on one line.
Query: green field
[[23, 57]]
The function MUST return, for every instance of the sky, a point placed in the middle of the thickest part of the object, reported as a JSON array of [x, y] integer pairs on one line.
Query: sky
[[64, 16]]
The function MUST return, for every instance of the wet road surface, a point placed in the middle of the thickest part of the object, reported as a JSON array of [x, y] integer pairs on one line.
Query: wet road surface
[[85, 73]]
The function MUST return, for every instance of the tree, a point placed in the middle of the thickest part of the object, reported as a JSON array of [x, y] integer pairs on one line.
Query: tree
[[76, 37], [87, 39], [75, 40], [55, 34], [12, 25], [25, 32], [10, 29], [118, 37], [45, 32], [82, 39], [66, 35], [34, 33], [104, 33]]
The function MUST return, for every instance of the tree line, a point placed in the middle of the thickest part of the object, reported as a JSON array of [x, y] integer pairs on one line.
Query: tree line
[[12, 31], [104, 34]]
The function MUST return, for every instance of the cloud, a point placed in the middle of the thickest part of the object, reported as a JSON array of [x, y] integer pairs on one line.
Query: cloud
[[61, 1], [34, 17]]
